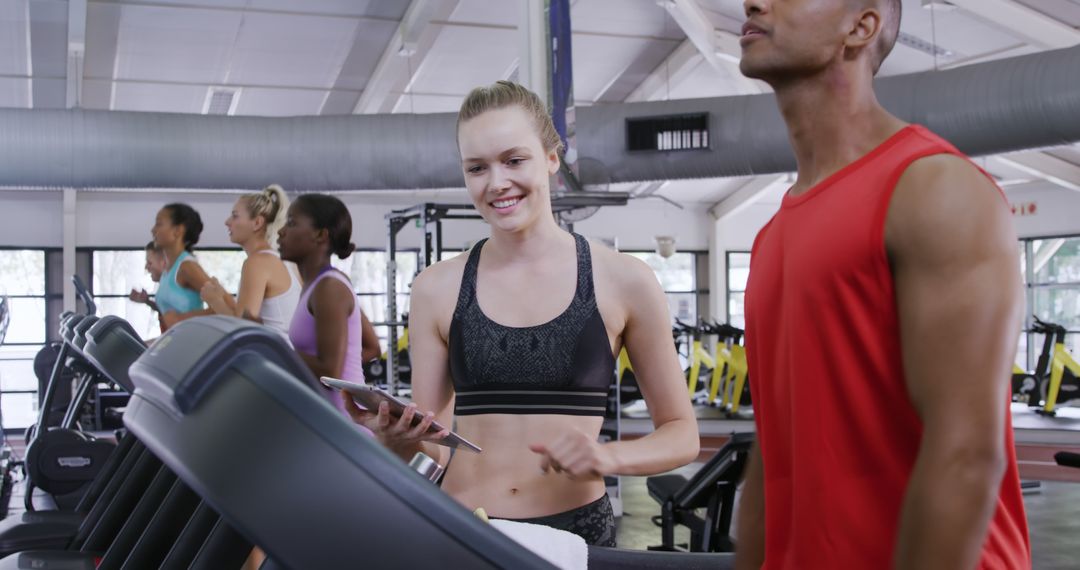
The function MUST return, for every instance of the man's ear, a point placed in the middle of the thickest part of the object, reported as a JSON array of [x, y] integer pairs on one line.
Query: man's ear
[[865, 30]]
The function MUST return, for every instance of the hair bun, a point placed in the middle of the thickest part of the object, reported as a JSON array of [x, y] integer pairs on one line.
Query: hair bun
[[346, 250], [272, 192]]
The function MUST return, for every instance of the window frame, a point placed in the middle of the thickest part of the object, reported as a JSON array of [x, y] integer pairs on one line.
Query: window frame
[[51, 294], [728, 291], [700, 277]]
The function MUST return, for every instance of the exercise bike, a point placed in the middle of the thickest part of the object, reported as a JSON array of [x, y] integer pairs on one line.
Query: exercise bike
[[1026, 385], [62, 460], [729, 380], [631, 399], [1062, 385], [375, 369], [702, 363]]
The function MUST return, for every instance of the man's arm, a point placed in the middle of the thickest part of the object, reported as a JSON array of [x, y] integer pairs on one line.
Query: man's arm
[[954, 256], [750, 531]]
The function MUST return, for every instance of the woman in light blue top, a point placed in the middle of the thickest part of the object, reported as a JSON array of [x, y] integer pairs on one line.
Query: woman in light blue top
[[176, 230]]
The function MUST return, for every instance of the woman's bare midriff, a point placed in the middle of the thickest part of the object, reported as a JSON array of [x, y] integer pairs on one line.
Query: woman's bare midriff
[[506, 479]]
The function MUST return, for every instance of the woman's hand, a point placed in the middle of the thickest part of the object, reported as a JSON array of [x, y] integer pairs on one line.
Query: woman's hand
[[397, 434], [140, 296], [212, 291], [577, 454]]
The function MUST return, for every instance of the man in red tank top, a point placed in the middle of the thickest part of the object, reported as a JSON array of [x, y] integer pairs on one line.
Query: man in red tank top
[[882, 309]]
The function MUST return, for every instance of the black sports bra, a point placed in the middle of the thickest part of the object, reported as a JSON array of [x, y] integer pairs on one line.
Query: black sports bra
[[564, 366]]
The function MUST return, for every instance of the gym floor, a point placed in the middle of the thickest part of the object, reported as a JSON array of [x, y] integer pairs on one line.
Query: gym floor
[[1053, 520]]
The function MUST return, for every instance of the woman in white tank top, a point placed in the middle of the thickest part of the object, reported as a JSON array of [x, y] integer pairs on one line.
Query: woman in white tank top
[[269, 287]]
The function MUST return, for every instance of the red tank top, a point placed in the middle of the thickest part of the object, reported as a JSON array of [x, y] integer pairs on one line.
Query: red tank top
[[838, 433]]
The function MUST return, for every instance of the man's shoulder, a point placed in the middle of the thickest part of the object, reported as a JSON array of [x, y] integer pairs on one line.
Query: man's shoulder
[[940, 202], [947, 181]]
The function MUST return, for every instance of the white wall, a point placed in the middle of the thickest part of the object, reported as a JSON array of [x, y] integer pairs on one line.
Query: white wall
[[124, 219], [636, 225], [1057, 210], [31, 218]]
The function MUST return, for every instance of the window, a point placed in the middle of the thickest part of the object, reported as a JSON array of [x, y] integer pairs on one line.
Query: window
[[22, 280], [738, 271], [1052, 274], [678, 277], [117, 271]]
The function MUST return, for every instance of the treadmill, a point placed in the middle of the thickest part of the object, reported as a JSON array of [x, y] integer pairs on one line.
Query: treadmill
[[230, 408], [111, 345]]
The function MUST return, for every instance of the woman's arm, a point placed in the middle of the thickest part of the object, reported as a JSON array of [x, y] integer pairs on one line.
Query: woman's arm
[[674, 441], [330, 305], [647, 336], [369, 341], [433, 390], [254, 277], [191, 275]]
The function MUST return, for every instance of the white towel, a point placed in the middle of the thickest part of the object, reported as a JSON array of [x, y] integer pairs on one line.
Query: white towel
[[565, 550]]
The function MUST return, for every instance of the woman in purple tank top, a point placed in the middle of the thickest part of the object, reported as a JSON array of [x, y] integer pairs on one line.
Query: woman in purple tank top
[[325, 328]]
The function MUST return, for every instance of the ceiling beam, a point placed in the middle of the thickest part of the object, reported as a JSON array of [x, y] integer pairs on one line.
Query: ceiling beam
[[246, 8], [1045, 166], [754, 189], [48, 54], [25, 8], [101, 59], [719, 47], [404, 56], [1029, 24], [675, 69], [76, 51]]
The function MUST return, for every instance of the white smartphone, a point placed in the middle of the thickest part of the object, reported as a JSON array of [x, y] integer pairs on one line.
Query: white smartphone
[[370, 397]]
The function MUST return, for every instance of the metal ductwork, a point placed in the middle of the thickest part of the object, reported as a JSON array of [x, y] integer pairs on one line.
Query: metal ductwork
[[1006, 105]]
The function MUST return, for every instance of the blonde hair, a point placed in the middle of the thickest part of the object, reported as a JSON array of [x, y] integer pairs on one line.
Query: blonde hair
[[502, 94], [271, 205]]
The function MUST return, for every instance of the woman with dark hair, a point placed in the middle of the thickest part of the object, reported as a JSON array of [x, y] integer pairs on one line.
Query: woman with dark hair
[[176, 231], [155, 266], [326, 326]]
